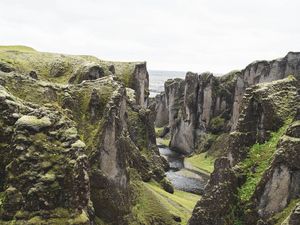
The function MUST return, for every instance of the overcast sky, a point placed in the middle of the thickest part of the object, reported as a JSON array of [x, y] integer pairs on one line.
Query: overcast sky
[[196, 35]]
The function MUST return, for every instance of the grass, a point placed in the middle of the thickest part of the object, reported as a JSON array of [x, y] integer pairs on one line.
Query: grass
[[260, 156], [148, 209], [158, 131], [21, 48], [163, 141], [180, 203], [279, 218], [202, 162], [25, 59]]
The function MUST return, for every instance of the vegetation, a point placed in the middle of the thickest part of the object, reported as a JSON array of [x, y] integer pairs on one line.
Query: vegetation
[[279, 218], [16, 48], [202, 162], [158, 131], [259, 158], [60, 68], [217, 124], [159, 204], [165, 141]]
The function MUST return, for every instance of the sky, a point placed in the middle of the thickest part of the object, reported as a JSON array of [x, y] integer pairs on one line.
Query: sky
[[184, 35]]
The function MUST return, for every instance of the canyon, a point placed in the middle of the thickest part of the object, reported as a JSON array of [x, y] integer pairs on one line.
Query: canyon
[[81, 142]]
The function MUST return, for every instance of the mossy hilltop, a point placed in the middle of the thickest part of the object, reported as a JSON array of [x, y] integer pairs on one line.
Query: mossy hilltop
[[75, 149]]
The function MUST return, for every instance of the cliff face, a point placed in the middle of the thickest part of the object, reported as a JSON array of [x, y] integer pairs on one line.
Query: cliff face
[[263, 71], [256, 180], [197, 105], [69, 140], [208, 104]]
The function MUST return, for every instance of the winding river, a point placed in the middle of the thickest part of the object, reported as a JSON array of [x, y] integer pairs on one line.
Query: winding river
[[180, 174]]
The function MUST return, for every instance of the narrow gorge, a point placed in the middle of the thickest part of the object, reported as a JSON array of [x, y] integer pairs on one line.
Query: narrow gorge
[[81, 142]]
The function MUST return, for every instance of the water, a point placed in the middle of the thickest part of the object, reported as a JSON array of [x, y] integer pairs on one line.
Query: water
[[183, 178], [157, 79]]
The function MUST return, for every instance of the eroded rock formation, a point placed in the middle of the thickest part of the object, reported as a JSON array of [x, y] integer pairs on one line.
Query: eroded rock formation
[[206, 103], [71, 139]]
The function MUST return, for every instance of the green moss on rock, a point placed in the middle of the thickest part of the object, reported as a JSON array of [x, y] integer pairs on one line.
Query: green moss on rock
[[33, 123]]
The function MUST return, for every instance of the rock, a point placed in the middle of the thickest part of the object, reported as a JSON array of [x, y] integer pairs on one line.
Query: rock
[[140, 84], [78, 144], [177, 218], [295, 216], [162, 114], [220, 195], [112, 69], [33, 123], [72, 142], [167, 185], [206, 103], [33, 75], [5, 67]]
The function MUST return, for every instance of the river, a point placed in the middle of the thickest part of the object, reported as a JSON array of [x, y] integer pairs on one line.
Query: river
[[181, 177]]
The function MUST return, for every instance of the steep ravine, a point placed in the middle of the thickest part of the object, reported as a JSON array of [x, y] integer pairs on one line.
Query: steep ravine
[[182, 177], [247, 121], [82, 143]]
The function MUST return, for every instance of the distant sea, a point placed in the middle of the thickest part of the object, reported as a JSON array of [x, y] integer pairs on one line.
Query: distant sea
[[157, 79]]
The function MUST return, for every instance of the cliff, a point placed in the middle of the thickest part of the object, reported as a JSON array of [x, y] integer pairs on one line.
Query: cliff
[[76, 139], [248, 120], [205, 104], [256, 180]]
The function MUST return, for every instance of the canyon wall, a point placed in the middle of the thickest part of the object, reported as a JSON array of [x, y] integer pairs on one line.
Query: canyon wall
[[257, 179], [76, 138], [204, 103]]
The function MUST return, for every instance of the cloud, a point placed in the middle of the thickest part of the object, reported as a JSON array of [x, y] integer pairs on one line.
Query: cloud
[[197, 35]]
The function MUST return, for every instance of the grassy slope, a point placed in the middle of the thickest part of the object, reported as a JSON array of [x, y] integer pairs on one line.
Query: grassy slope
[[162, 141], [201, 162], [26, 59], [260, 155], [155, 205], [282, 217], [16, 48]]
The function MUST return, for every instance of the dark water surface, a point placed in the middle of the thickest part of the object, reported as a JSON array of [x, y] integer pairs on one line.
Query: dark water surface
[[183, 178]]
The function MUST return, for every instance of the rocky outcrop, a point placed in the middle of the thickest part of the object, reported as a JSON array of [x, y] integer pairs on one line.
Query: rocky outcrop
[[264, 110], [196, 105], [263, 71], [74, 69], [262, 183], [279, 184], [210, 104], [44, 171], [215, 207], [78, 143], [161, 109]]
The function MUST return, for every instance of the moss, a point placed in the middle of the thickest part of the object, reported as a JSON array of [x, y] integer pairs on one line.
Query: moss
[[205, 142], [179, 203], [21, 48], [217, 124], [80, 219], [163, 141], [258, 160], [156, 206], [137, 128], [98, 221], [202, 162], [279, 218], [78, 144], [48, 177], [33, 123], [60, 68], [158, 131]]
